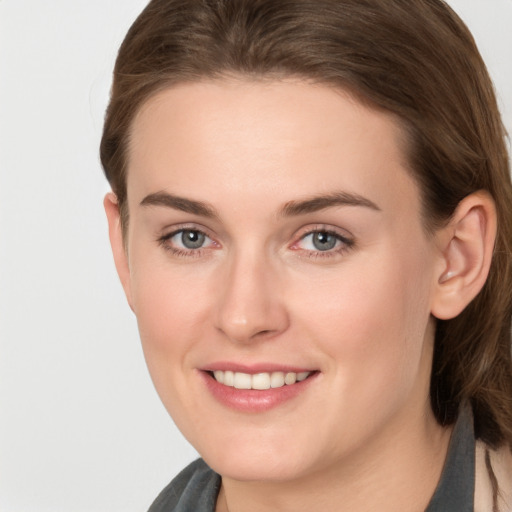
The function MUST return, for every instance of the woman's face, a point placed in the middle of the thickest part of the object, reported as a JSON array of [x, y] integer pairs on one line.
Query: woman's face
[[275, 233]]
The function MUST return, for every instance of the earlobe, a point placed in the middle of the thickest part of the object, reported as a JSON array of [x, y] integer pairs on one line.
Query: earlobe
[[115, 232], [467, 244]]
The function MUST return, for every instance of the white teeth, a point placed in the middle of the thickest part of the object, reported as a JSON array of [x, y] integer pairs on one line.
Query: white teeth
[[277, 380], [242, 381], [259, 381], [290, 378], [229, 378]]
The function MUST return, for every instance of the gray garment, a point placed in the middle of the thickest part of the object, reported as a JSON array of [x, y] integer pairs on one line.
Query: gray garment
[[196, 488], [456, 489]]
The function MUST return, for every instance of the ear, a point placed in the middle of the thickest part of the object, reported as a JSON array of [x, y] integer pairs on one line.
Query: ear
[[119, 249], [467, 244]]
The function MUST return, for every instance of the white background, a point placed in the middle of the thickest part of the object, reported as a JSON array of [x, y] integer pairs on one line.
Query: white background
[[81, 428]]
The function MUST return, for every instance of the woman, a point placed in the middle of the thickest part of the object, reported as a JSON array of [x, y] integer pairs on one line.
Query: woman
[[311, 218]]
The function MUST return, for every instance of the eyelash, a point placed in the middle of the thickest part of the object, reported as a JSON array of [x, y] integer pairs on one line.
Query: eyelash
[[345, 244], [163, 241]]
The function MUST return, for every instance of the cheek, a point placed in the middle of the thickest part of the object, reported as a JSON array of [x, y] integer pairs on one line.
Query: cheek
[[371, 320], [172, 319], [172, 310]]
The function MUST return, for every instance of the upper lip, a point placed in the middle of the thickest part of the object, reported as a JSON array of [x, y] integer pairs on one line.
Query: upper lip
[[254, 368]]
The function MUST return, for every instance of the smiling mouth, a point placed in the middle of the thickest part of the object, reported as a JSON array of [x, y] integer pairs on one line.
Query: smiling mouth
[[258, 381]]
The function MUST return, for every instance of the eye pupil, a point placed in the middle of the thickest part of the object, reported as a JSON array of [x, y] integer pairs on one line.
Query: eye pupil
[[324, 241], [192, 239]]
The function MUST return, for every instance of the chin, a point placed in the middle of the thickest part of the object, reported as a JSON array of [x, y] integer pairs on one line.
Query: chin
[[259, 462], [256, 470]]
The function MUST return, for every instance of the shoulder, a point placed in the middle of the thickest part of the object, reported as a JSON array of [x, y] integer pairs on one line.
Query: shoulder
[[195, 488], [501, 463]]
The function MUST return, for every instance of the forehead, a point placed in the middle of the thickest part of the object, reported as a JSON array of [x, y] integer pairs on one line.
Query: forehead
[[256, 136]]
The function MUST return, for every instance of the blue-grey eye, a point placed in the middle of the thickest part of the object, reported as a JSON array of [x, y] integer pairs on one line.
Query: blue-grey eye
[[324, 241], [192, 239]]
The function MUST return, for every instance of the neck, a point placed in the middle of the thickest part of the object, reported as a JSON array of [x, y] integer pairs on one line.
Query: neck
[[398, 470]]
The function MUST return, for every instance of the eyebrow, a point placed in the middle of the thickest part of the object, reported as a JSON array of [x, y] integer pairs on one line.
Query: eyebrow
[[317, 203], [180, 203], [290, 209]]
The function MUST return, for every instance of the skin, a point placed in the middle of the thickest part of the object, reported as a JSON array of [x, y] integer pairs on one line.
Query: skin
[[258, 291]]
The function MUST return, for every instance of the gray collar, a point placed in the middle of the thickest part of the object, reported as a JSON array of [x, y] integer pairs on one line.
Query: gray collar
[[456, 489]]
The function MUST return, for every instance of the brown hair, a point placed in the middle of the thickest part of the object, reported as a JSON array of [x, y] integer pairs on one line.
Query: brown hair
[[413, 58]]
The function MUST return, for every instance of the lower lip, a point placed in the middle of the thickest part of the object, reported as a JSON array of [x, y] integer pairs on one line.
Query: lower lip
[[254, 400]]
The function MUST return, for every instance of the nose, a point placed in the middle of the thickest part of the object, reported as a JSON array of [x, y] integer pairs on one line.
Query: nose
[[250, 305]]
